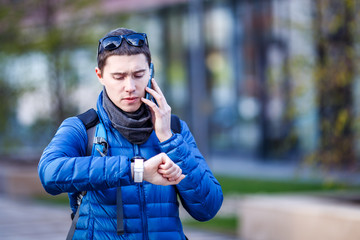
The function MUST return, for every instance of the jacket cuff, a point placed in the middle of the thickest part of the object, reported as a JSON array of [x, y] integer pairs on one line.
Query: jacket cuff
[[165, 143], [175, 148]]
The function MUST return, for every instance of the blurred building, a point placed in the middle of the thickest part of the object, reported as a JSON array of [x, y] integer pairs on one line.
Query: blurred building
[[239, 72], [225, 66]]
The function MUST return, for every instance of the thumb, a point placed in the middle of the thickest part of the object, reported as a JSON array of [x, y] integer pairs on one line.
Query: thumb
[[178, 180]]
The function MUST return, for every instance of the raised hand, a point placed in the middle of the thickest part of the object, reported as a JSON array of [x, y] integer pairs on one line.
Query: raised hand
[[161, 170], [161, 113]]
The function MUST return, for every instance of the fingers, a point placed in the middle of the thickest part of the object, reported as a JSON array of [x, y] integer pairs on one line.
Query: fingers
[[160, 109], [156, 87], [150, 103], [167, 166], [161, 170], [156, 92], [172, 173], [177, 181], [167, 163], [160, 112], [168, 169]]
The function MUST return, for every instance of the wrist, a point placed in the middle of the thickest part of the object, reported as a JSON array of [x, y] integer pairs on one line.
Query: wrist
[[146, 171], [165, 137]]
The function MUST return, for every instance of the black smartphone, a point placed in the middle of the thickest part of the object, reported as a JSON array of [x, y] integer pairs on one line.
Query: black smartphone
[[148, 95]]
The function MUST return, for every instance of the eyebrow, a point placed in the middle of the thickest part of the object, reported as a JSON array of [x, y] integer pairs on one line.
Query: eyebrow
[[118, 73], [140, 70], [126, 73]]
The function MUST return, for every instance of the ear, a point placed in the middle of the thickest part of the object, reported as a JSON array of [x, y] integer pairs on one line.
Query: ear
[[99, 76]]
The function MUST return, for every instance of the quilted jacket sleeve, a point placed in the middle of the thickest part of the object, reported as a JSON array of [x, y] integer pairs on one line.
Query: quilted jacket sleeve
[[200, 192], [63, 167]]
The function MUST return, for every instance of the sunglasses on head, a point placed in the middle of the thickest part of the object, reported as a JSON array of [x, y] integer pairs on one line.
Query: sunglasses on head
[[133, 39]]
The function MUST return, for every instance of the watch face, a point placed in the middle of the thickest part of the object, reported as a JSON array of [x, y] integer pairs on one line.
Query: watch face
[[139, 165], [138, 168], [137, 157]]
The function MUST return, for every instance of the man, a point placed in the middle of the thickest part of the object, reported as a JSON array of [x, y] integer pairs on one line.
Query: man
[[135, 126]]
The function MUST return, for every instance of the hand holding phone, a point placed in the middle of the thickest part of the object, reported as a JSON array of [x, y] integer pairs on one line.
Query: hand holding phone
[[160, 111], [147, 95]]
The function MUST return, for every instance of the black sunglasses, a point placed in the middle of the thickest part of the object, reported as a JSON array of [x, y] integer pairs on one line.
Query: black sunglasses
[[112, 42]]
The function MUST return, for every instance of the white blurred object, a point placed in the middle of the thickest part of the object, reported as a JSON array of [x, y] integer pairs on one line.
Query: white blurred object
[[298, 218]]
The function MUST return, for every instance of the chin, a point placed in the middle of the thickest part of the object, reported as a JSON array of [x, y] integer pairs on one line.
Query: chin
[[130, 109]]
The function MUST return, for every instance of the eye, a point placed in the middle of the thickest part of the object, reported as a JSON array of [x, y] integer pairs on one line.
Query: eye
[[118, 76], [139, 74]]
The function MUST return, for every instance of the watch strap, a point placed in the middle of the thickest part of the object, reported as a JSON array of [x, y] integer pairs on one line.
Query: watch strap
[[138, 170]]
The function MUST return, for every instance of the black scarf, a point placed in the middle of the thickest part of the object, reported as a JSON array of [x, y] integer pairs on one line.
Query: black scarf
[[136, 127]]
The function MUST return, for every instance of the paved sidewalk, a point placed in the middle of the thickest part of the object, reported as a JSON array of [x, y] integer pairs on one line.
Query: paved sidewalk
[[27, 220]]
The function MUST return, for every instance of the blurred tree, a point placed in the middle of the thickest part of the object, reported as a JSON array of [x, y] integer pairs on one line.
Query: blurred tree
[[334, 36], [62, 30], [9, 18], [55, 29]]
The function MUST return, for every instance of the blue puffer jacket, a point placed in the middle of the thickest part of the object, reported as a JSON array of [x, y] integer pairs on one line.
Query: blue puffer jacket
[[150, 211]]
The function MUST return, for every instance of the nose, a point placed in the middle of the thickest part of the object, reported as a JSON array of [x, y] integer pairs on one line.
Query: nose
[[130, 85]]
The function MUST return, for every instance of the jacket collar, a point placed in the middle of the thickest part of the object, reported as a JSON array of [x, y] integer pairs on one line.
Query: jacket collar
[[102, 113]]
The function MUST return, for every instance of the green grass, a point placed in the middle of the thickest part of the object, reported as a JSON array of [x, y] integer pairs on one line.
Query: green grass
[[61, 199], [226, 225], [234, 185]]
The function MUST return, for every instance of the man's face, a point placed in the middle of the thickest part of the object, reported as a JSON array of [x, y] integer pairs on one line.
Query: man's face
[[125, 78]]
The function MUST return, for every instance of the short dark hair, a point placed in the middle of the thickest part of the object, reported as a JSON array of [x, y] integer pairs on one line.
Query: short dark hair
[[124, 49]]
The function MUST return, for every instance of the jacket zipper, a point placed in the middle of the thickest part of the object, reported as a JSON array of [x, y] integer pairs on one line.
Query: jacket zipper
[[141, 191], [142, 200]]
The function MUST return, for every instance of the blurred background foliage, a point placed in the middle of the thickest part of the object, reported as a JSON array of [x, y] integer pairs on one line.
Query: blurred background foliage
[[334, 76], [39, 40], [273, 80]]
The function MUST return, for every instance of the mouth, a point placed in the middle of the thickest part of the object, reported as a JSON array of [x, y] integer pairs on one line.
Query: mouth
[[130, 99]]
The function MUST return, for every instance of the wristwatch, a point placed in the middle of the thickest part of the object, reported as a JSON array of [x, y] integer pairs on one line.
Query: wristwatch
[[138, 168]]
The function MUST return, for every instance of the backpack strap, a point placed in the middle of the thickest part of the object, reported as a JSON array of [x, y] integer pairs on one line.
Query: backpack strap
[[75, 217], [119, 212], [96, 144], [90, 119], [73, 225], [175, 124]]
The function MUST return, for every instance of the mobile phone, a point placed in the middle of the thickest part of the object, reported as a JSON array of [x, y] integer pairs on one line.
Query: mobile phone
[[148, 95]]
